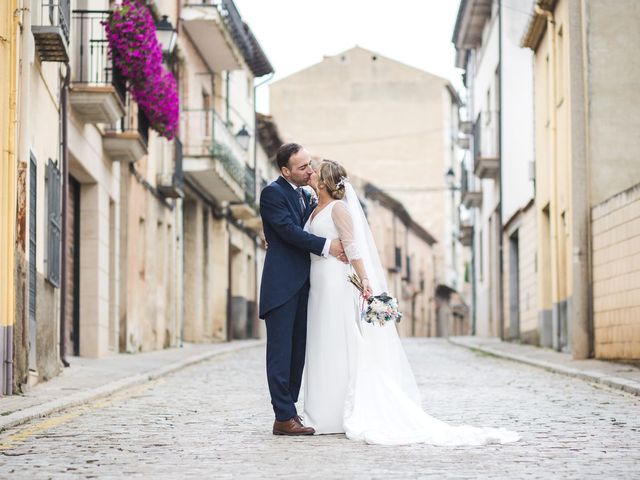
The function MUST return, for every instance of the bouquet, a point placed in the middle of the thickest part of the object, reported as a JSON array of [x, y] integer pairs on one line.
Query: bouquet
[[378, 309]]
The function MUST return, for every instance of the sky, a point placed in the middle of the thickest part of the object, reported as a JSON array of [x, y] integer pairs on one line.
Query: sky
[[296, 34]]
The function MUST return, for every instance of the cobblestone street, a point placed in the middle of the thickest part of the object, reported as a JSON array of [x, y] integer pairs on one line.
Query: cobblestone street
[[213, 420]]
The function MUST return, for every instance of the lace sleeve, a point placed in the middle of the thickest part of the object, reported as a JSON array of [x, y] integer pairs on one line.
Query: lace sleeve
[[344, 224]]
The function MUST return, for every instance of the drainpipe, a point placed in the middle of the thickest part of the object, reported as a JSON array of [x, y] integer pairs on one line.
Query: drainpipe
[[64, 174]]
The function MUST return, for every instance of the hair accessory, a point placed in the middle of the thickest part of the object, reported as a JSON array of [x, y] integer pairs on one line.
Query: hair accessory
[[342, 181]]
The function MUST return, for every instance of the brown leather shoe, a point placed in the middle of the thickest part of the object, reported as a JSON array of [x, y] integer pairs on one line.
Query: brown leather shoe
[[291, 427]]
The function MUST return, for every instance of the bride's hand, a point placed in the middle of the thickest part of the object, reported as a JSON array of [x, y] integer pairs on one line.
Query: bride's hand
[[367, 292]]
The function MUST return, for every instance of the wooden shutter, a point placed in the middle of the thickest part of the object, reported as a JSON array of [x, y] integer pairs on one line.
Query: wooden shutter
[[33, 197], [54, 223]]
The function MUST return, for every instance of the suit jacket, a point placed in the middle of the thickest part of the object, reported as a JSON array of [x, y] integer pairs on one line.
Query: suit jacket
[[287, 263]]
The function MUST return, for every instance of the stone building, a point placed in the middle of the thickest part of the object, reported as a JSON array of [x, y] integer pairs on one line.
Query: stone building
[[219, 60], [117, 239], [391, 125], [497, 187], [587, 173], [407, 254]]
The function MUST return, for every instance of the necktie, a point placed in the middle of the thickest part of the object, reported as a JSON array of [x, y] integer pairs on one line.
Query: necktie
[[301, 200]]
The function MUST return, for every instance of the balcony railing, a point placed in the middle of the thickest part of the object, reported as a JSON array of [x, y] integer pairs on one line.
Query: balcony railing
[[171, 184], [484, 166], [127, 139], [51, 31], [205, 134], [470, 197], [250, 185], [92, 63], [98, 93]]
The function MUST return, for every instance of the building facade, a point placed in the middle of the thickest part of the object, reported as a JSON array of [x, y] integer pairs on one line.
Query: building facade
[[391, 125], [116, 238], [497, 187], [8, 124], [407, 255], [219, 60], [587, 174]]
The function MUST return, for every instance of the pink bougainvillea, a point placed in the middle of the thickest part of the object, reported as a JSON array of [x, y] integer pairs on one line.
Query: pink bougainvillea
[[137, 54]]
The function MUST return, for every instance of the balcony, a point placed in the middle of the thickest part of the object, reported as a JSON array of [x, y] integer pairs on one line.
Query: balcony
[[213, 158], [470, 196], [222, 38], [246, 210], [127, 139], [51, 31], [97, 94], [466, 234], [487, 167], [171, 185], [484, 165], [207, 28], [466, 127]]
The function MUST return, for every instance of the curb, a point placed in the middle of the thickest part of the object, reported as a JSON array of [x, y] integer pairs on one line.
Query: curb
[[81, 398], [617, 383]]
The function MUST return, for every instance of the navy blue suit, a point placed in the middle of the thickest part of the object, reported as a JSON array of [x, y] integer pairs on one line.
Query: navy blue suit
[[285, 290]]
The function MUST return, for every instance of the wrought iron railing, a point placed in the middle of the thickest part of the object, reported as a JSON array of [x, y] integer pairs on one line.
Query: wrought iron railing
[[204, 133], [464, 179], [55, 13], [133, 120], [241, 34], [477, 137], [178, 172], [92, 64], [250, 185]]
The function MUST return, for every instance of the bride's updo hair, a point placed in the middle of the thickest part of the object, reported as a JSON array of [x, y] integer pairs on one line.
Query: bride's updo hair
[[331, 175]]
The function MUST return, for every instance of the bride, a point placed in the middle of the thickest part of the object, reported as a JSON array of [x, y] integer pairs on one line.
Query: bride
[[357, 378]]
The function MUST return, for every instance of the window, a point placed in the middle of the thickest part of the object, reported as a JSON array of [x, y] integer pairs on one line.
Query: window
[[487, 118], [408, 268], [560, 66], [480, 256], [398, 264]]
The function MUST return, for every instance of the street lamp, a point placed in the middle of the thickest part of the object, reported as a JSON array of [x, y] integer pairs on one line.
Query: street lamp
[[243, 137], [167, 36], [451, 177]]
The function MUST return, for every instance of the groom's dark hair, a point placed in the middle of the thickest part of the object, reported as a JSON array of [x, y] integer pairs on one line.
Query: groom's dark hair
[[285, 152]]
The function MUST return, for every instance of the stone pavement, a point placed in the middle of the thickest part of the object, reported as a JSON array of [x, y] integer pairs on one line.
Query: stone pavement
[[213, 420], [615, 375], [88, 379]]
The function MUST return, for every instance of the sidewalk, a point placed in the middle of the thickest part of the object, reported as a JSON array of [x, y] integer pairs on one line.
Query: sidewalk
[[88, 379], [615, 375]]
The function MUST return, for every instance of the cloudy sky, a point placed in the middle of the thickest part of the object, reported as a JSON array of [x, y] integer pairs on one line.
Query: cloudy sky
[[298, 33]]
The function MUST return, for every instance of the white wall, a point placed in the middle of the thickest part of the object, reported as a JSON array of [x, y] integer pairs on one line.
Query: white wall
[[517, 107]]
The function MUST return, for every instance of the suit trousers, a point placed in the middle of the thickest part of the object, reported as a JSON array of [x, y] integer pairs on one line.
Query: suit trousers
[[286, 345]]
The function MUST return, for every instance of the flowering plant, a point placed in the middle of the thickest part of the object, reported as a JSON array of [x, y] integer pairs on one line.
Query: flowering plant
[[378, 309], [137, 54]]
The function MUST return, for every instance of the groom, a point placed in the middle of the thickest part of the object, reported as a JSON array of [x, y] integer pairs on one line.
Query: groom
[[285, 208]]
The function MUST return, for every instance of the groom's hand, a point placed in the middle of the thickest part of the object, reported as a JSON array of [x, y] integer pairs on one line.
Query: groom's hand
[[337, 251]]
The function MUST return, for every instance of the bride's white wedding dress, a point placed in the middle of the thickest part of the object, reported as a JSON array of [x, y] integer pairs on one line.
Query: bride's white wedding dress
[[357, 378]]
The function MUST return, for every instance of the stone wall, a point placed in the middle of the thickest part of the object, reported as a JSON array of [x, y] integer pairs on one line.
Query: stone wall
[[616, 276]]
